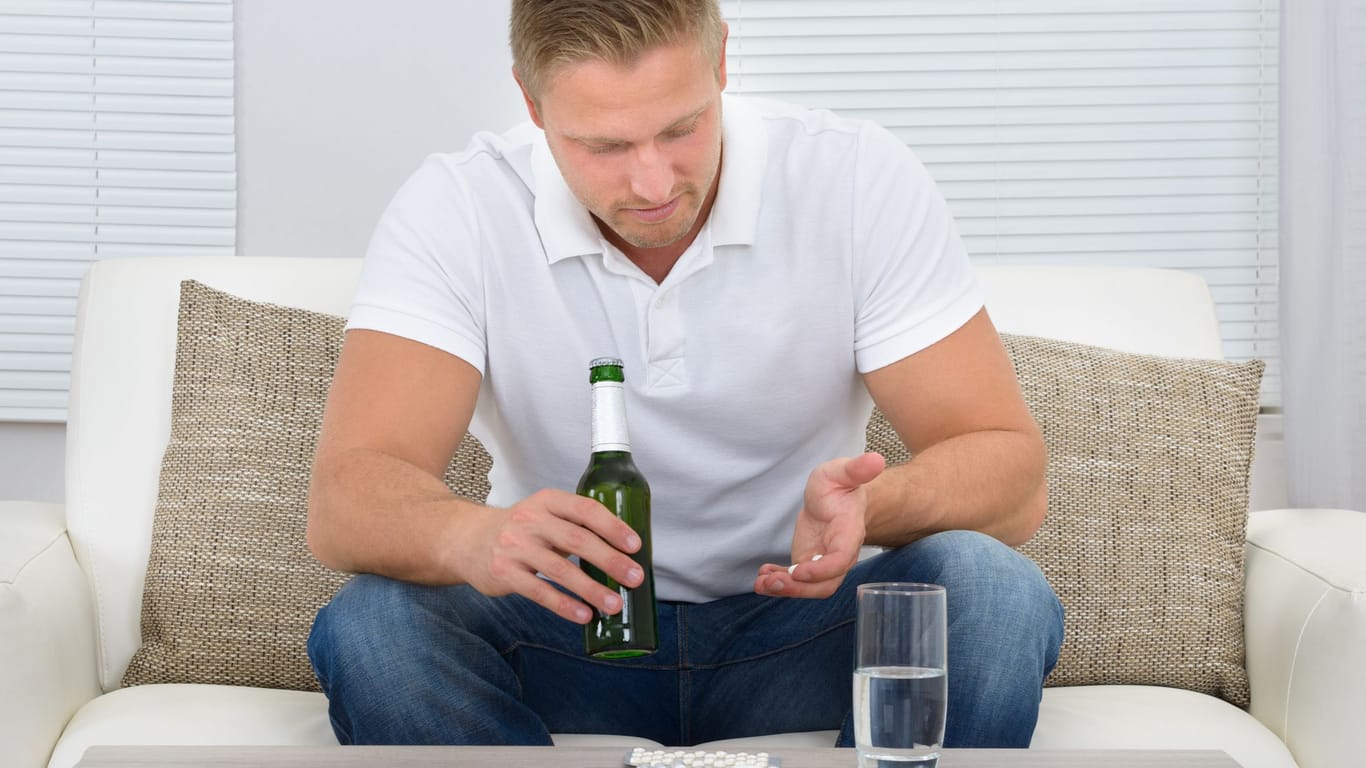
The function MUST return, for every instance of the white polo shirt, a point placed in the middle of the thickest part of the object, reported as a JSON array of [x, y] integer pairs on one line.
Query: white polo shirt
[[829, 252]]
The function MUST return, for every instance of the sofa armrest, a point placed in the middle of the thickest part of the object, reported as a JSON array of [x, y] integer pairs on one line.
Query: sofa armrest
[[1305, 626], [47, 647]]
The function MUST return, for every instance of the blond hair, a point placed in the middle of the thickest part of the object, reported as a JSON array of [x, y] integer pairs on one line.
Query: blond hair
[[549, 34]]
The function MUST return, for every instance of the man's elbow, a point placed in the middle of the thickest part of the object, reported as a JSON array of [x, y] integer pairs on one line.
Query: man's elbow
[[316, 528], [1036, 511], [1026, 519], [1030, 513]]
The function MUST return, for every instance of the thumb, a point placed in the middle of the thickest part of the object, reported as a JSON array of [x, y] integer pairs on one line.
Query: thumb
[[852, 473]]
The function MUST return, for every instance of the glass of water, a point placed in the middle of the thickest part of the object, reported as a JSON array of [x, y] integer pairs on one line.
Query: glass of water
[[900, 675]]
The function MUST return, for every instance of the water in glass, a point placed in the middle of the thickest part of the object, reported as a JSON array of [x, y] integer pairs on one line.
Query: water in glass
[[899, 714]]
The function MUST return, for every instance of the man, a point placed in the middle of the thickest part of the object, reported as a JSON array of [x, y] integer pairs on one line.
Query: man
[[767, 274]]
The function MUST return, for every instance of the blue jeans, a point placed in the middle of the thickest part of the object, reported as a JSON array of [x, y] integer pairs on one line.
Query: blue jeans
[[408, 664]]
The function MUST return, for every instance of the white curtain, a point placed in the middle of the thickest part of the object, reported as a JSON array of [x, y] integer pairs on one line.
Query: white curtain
[[1323, 250], [116, 139]]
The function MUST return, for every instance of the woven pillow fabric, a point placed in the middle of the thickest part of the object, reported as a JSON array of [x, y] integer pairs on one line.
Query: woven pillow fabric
[[1148, 463], [231, 587]]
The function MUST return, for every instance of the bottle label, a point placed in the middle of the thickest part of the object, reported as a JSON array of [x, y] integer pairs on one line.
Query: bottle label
[[609, 417]]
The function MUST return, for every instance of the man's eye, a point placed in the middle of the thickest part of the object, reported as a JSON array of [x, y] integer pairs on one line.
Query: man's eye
[[604, 149], [681, 133]]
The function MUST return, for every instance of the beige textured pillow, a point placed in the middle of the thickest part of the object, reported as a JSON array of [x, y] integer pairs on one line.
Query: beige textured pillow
[[231, 587], [1148, 491]]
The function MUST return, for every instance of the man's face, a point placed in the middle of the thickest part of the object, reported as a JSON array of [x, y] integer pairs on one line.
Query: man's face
[[639, 146]]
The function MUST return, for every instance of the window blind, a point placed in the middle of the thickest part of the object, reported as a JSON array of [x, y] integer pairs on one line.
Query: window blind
[[116, 139], [1129, 132]]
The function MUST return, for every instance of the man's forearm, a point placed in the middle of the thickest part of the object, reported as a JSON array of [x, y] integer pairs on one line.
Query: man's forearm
[[374, 513], [990, 481]]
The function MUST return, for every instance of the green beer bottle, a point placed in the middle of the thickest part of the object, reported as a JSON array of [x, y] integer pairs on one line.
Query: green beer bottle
[[613, 480]]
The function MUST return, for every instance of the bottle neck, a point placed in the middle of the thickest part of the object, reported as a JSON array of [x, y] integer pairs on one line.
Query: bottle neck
[[609, 417]]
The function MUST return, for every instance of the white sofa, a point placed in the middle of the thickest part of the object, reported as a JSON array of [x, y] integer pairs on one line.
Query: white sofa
[[71, 576]]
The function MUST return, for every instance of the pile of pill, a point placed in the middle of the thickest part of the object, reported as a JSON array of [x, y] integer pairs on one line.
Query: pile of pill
[[669, 758]]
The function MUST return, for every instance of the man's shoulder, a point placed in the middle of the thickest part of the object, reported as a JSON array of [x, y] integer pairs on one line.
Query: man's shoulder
[[786, 117], [488, 157], [794, 128], [488, 181]]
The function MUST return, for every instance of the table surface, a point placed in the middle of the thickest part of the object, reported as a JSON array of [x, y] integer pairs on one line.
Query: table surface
[[605, 757]]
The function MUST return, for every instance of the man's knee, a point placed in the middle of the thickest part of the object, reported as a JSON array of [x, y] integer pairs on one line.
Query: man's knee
[[985, 577], [368, 618], [364, 601]]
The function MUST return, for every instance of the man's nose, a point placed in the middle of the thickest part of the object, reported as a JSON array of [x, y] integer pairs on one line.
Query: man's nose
[[652, 178]]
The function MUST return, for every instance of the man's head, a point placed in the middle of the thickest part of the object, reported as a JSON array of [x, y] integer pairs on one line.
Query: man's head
[[546, 35], [628, 93]]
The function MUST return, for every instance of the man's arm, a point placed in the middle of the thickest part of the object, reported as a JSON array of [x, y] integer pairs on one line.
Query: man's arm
[[977, 463], [978, 458], [395, 415]]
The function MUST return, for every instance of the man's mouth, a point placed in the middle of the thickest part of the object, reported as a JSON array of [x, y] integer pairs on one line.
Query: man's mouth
[[655, 215]]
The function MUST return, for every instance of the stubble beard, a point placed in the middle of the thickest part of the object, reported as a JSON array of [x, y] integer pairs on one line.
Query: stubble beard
[[642, 235]]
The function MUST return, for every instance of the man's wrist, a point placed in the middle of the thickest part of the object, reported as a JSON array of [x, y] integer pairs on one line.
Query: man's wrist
[[898, 507]]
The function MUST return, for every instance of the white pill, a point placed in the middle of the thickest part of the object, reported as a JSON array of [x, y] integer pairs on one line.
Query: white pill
[[793, 567]]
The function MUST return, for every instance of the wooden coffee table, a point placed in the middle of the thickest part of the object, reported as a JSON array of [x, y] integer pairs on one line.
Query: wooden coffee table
[[604, 757]]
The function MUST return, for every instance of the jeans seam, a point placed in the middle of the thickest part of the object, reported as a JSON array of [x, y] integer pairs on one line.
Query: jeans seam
[[506, 656], [685, 728], [684, 678], [681, 614], [584, 657], [775, 651]]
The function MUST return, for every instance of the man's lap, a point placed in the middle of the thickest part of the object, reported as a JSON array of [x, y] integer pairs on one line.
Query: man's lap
[[743, 665]]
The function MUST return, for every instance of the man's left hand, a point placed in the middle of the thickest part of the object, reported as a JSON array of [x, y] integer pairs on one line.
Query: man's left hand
[[831, 525]]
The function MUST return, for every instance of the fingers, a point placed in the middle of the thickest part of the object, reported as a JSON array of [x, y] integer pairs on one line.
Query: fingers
[[560, 570], [772, 580], [585, 528], [540, 533], [546, 595], [776, 582], [832, 567], [593, 516], [816, 577]]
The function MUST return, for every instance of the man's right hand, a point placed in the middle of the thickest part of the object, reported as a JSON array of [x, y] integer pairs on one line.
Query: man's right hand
[[501, 551]]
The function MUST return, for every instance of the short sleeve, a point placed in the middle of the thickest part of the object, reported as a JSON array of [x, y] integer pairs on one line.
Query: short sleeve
[[913, 283], [422, 278]]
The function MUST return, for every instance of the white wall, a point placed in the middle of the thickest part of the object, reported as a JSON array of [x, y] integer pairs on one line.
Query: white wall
[[337, 102], [31, 458]]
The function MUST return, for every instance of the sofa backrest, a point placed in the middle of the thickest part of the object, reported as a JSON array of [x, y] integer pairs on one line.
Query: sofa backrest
[[1149, 311], [119, 416], [124, 359]]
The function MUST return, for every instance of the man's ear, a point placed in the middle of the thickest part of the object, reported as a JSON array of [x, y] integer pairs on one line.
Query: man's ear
[[721, 71], [530, 102]]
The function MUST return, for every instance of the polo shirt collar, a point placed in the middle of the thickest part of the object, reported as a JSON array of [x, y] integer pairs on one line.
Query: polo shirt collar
[[744, 158], [567, 229]]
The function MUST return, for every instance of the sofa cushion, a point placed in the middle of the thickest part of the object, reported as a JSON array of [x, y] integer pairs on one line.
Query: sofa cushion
[[1148, 462], [1096, 717], [196, 714], [231, 588], [1136, 717]]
